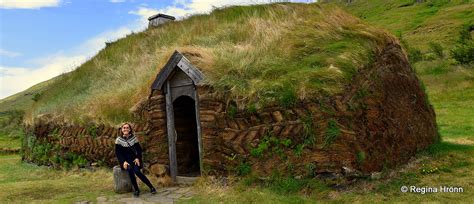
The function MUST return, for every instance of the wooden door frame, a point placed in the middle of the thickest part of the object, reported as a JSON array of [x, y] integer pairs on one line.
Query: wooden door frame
[[171, 131]]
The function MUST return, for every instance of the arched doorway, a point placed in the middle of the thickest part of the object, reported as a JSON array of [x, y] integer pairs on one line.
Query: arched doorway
[[187, 145]]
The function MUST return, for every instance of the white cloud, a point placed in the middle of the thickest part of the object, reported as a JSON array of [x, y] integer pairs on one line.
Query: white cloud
[[28, 4], [174, 10], [179, 9], [10, 54], [144, 12], [181, 2], [93, 45], [16, 79], [117, 1], [205, 6], [182, 8]]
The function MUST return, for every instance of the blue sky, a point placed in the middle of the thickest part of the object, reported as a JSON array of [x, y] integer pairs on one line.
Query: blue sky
[[37, 32], [40, 39]]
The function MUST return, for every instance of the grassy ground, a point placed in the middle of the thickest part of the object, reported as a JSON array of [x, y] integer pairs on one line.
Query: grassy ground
[[7, 142], [451, 164], [451, 92], [23, 182], [10, 131]]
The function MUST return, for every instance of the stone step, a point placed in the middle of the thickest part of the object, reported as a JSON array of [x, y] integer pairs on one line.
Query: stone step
[[186, 180]]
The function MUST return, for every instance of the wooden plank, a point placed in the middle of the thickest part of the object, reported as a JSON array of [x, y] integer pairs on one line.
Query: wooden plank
[[198, 128], [180, 79], [163, 75], [190, 70], [182, 91], [171, 134]]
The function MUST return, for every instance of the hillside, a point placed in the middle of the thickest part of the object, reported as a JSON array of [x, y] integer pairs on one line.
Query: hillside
[[418, 23], [25, 99], [264, 54], [86, 92]]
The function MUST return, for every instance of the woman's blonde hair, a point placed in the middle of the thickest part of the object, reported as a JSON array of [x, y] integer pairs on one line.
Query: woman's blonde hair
[[120, 128]]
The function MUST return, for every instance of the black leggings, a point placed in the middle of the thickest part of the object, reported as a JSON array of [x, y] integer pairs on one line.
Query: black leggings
[[134, 170]]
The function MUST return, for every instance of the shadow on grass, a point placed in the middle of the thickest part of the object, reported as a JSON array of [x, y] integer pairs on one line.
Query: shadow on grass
[[442, 148]]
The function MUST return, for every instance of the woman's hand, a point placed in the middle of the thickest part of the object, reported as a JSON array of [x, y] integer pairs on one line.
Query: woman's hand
[[125, 165], [137, 162]]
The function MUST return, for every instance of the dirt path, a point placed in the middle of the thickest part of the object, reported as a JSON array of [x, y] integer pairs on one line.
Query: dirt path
[[163, 195]]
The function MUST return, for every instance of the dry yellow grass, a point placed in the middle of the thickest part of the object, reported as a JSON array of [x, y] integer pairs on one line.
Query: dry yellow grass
[[258, 55]]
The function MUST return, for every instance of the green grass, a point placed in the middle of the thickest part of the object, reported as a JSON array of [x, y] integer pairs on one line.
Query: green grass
[[29, 183], [8, 142], [450, 164], [23, 183], [451, 93], [251, 195], [252, 190], [420, 23], [453, 163], [11, 130], [332, 132]]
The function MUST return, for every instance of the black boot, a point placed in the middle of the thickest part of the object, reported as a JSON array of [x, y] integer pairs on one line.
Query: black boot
[[152, 190], [136, 193]]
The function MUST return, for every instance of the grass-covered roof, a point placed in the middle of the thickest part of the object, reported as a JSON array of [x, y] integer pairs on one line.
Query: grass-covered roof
[[258, 55]]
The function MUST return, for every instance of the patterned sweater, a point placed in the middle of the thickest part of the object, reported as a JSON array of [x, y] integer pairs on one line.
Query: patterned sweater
[[128, 149]]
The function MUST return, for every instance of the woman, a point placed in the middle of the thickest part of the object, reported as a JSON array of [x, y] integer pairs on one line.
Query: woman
[[129, 155]]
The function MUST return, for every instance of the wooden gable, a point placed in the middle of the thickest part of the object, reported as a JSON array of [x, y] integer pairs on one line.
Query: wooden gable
[[177, 60]]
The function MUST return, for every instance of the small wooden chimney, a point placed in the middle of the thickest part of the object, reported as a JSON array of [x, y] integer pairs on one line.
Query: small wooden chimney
[[159, 19]]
